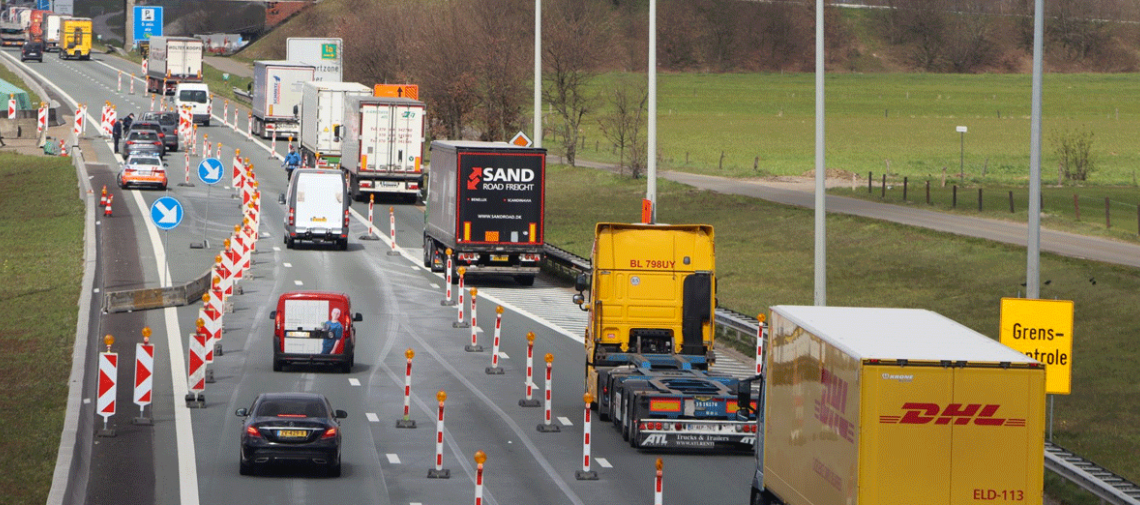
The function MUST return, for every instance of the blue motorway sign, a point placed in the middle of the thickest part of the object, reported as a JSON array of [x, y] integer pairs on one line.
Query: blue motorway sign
[[148, 22], [166, 212], [210, 171], [43, 5]]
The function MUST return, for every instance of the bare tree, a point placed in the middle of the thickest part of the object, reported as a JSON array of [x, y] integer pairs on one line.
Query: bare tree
[[502, 65], [970, 43], [577, 38], [622, 126], [446, 71]]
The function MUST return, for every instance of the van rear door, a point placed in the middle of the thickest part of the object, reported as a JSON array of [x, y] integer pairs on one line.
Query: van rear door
[[320, 201]]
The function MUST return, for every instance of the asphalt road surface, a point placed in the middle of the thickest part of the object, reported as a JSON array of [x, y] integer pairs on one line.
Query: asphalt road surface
[[189, 456]]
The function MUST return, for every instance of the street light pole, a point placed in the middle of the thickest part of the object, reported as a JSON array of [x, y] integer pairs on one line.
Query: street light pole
[[962, 153]]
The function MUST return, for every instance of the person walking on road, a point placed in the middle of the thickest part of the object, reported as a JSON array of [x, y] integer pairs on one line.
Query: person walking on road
[[292, 161], [116, 133]]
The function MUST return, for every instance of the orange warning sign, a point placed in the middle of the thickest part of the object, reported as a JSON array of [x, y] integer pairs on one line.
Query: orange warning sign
[[397, 90]]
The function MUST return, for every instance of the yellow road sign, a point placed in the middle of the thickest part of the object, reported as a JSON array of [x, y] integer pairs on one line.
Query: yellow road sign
[[1042, 330]]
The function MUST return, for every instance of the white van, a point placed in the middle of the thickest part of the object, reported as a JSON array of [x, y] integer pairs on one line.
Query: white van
[[316, 208], [196, 96]]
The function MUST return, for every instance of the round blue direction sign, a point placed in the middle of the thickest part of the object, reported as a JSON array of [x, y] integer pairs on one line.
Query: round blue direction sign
[[210, 171], [166, 212]]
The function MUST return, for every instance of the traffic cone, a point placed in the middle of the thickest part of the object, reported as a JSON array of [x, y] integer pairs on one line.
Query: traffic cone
[[62, 148], [103, 197], [107, 209]]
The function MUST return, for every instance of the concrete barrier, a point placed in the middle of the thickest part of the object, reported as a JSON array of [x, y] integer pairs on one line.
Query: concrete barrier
[[156, 298]]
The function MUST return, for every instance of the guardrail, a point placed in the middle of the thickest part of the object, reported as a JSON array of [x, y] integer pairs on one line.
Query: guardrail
[[741, 330]]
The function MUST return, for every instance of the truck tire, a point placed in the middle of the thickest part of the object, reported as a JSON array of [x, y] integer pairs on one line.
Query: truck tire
[[429, 254], [634, 433], [524, 280]]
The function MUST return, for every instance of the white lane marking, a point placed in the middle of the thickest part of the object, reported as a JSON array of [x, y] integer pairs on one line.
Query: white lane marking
[[96, 290], [372, 417], [287, 265], [275, 248], [353, 382], [86, 401], [393, 458], [503, 355], [299, 283], [603, 462], [434, 286], [414, 267], [565, 421]]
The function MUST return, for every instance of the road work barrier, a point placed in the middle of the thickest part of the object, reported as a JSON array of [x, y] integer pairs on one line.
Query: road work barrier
[[474, 345], [658, 483], [546, 426], [406, 421], [528, 400], [480, 458], [371, 235], [761, 337], [107, 212], [494, 368], [447, 278], [144, 377], [156, 298], [196, 371], [439, 472], [395, 251], [585, 473], [460, 323], [108, 389]]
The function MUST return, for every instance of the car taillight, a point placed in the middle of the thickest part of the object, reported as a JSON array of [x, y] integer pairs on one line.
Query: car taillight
[[291, 216], [346, 219], [253, 431], [329, 433], [161, 135]]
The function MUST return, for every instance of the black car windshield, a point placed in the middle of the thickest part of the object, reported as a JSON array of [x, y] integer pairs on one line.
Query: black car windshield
[[291, 408], [161, 118], [192, 95]]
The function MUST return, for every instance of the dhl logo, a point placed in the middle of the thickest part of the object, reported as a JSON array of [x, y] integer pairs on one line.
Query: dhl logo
[[956, 413]]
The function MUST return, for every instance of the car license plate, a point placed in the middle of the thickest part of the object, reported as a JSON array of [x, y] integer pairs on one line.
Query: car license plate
[[319, 220], [303, 334], [292, 433], [389, 184], [500, 257]]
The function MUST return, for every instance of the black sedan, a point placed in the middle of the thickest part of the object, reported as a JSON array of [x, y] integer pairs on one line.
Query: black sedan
[[291, 427]]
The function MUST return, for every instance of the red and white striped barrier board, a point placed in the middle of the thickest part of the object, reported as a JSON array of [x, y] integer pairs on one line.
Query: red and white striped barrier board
[[108, 377], [11, 106], [197, 369], [238, 170], [761, 336], [208, 355], [41, 118], [104, 120], [144, 374]]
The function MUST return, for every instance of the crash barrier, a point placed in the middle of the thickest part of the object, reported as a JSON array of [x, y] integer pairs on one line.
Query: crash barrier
[[156, 298]]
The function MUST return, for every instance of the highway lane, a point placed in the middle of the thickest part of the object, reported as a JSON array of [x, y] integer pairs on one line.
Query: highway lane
[[400, 303]]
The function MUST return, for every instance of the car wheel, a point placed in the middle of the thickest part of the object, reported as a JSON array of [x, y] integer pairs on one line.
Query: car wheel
[[278, 365], [429, 254], [288, 243], [334, 470], [244, 467], [207, 123], [342, 244]]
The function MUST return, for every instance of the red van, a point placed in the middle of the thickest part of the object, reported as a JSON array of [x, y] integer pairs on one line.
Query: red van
[[314, 327]]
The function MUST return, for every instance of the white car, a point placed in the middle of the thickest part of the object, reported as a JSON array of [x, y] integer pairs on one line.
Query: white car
[[143, 170]]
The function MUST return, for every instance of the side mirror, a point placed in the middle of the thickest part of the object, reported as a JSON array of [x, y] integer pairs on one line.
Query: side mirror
[[357, 317], [582, 282], [337, 131], [340, 414], [579, 299], [241, 412], [295, 109], [272, 315], [281, 199]]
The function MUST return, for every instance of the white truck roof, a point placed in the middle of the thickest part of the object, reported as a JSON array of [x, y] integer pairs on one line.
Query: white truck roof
[[893, 334]]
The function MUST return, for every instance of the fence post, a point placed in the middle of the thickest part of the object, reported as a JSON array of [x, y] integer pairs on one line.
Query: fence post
[[1011, 202], [1077, 206], [1107, 214], [928, 192], [884, 188], [870, 177], [904, 189], [954, 201], [979, 199]]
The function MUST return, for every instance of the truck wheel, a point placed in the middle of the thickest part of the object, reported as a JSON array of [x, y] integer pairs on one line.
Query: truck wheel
[[634, 433], [524, 280], [624, 418], [429, 254]]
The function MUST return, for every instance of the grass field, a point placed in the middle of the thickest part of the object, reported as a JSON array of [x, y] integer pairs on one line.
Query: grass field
[[909, 119], [41, 230], [764, 257]]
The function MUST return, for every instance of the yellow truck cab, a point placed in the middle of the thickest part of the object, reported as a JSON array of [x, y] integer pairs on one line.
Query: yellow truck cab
[[75, 38]]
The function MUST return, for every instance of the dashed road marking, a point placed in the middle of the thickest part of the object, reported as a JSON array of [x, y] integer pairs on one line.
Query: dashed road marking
[[299, 283], [603, 462], [434, 286], [372, 417], [353, 382], [275, 248], [565, 421], [393, 458], [503, 355], [287, 265]]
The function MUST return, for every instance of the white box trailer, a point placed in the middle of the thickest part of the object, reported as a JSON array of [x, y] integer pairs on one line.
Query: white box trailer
[[52, 23], [277, 91], [322, 110], [383, 145], [173, 60]]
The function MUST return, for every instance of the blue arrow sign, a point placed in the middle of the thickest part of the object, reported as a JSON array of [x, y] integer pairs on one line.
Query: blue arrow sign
[[166, 212], [210, 171]]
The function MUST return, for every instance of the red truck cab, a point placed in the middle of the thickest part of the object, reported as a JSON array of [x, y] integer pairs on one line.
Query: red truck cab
[[301, 335]]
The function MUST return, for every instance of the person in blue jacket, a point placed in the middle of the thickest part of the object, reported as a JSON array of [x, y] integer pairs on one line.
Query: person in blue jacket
[[292, 161], [333, 332]]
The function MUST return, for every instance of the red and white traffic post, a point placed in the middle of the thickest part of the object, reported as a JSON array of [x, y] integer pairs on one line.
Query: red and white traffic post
[[474, 345], [197, 371], [226, 112], [658, 487], [406, 421], [447, 280], [494, 368], [187, 170], [218, 151], [439, 472], [546, 426], [761, 337], [395, 251], [585, 473], [108, 377], [120, 81], [12, 106], [371, 235], [460, 323], [144, 377], [41, 118], [249, 127], [529, 400], [480, 458], [133, 82]]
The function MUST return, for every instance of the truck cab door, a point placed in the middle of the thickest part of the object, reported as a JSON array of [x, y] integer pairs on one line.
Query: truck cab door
[[696, 312]]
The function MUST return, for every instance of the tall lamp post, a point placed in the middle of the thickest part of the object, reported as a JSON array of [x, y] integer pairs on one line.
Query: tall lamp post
[[962, 153]]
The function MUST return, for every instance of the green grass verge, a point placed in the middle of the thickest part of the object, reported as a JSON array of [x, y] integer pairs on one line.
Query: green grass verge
[[1059, 204], [765, 257], [14, 80], [909, 119], [41, 232]]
